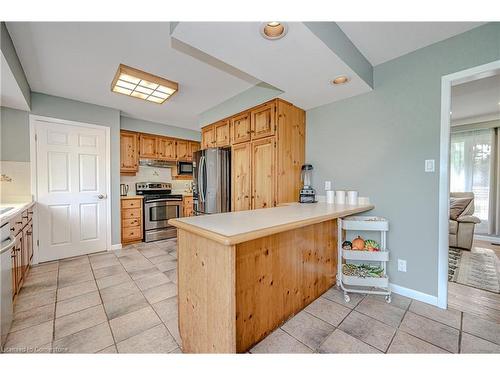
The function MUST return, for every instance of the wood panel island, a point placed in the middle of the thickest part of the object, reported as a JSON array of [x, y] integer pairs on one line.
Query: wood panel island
[[242, 274]]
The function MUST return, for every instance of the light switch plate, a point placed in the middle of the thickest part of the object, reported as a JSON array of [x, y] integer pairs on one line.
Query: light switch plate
[[430, 165], [401, 265]]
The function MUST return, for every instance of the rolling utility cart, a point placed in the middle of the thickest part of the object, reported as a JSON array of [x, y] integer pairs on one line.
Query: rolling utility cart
[[360, 271]]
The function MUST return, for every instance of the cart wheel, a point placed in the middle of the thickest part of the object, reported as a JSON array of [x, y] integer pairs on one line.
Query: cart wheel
[[347, 298], [388, 299]]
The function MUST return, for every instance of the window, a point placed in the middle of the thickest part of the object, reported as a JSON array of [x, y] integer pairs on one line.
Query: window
[[470, 163]]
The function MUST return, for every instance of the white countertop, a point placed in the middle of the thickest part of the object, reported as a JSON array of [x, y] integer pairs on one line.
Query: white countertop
[[18, 207], [241, 226]]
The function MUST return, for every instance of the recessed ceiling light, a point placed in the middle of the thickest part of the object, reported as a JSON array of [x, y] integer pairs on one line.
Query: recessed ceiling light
[[138, 84], [340, 80], [273, 30]]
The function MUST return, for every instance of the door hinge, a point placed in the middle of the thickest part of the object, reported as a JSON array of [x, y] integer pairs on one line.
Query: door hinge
[[36, 137], [37, 243]]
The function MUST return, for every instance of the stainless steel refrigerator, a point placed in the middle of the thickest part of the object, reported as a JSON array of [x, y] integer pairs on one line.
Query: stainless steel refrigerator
[[212, 181]]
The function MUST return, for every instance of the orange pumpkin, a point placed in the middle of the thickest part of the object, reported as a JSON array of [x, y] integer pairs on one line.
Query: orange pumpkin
[[358, 243]]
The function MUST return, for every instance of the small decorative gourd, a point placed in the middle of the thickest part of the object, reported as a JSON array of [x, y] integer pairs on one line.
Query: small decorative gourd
[[358, 243]]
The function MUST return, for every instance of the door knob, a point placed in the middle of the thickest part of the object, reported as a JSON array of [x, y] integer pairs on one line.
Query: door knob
[[101, 196]]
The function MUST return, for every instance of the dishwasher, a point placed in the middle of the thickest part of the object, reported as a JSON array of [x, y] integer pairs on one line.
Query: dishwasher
[[6, 308]]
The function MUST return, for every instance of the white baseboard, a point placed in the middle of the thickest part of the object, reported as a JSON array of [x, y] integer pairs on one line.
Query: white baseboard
[[117, 246], [415, 294]]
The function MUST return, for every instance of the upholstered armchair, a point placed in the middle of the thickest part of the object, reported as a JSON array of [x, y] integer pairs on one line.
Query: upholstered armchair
[[462, 221]]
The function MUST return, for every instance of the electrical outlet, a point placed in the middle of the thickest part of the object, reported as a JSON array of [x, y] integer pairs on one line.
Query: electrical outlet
[[430, 165], [401, 265]]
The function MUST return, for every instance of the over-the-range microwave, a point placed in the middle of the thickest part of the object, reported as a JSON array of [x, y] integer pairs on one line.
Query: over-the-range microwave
[[184, 168]]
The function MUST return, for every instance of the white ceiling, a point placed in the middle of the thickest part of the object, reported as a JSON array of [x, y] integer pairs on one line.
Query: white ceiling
[[299, 64], [79, 60], [211, 61], [383, 41], [10, 93], [476, 101]]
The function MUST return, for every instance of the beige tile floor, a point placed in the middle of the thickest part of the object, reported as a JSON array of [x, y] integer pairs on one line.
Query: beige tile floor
[[126, 302]]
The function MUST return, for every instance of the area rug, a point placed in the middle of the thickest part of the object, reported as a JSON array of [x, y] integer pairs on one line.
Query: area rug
[[479, 268]]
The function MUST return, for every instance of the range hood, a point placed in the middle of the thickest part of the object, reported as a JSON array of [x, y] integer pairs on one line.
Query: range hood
[[157, 163]]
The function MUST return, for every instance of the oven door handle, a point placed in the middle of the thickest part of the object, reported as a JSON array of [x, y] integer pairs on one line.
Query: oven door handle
[[167, 203], [200, 179]]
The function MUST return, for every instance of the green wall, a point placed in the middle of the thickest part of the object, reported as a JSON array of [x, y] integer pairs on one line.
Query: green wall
[[143, 126], [14, 133], [377, 143]]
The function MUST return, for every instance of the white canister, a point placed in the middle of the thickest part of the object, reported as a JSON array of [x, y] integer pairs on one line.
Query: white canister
[[340, 197], [352, 197], [330, 196], [363, 200]]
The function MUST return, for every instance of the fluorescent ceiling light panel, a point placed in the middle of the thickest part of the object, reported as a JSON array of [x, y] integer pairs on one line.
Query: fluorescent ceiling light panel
[[138, 84]]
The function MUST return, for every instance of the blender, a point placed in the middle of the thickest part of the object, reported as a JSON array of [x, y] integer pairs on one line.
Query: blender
[[307, 193]]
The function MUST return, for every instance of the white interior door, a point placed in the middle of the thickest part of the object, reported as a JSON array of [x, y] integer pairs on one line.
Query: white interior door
[[71, 189]]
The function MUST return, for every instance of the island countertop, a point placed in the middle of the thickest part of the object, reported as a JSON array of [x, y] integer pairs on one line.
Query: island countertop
[[231, 228]]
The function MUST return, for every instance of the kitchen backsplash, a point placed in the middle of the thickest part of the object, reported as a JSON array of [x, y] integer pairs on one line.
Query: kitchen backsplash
[[15, 184], [153, 174]]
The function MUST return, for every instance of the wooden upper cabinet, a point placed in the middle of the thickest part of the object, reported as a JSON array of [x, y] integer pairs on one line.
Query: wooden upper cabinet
[[128, 152], [263, 120], [208, 137], [221, 130], [165, 148], [183, 150], [194, 146], [148, 146], [240, 128], [263, 173], [241, 177]]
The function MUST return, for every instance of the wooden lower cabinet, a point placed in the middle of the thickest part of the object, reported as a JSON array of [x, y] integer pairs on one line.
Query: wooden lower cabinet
[[187, 205], [21, 228], [233, 296], [131, 220]]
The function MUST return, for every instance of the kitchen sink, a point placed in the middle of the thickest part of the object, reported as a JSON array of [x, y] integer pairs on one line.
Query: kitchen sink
[[4, 210]]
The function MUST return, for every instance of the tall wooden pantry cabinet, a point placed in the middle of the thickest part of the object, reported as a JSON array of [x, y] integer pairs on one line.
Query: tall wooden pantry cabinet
[[268, 151]]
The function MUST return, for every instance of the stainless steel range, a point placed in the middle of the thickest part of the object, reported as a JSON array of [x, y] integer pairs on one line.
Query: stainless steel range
[[159, 206]]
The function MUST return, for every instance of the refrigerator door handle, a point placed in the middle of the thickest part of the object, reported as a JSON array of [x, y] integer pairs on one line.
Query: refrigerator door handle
[[200, 179]]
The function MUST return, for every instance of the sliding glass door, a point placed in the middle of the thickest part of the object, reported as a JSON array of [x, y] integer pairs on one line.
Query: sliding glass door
[[470, 169]]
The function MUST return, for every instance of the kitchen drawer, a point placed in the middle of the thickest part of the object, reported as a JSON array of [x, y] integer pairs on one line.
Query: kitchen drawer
[[131, 203], [128, 223], [131, 213], [130, 234]]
